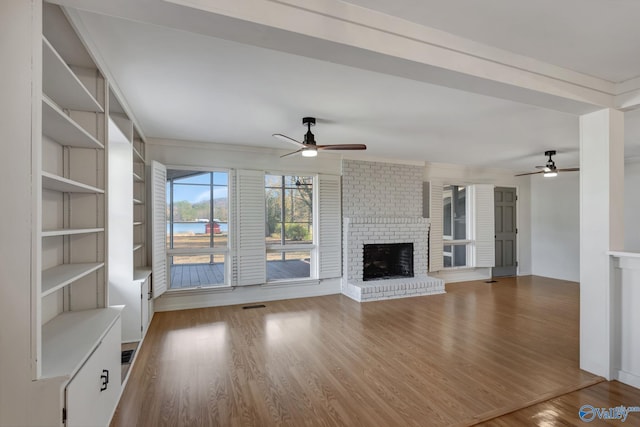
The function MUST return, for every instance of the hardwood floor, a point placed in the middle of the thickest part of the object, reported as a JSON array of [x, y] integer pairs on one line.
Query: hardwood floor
[[563, 410], [477, 352]]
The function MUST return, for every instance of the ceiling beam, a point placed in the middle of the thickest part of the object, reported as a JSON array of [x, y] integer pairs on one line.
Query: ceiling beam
[[346, 34]]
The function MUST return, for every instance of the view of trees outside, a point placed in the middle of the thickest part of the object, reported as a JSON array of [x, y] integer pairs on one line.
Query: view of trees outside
[[289, 206]]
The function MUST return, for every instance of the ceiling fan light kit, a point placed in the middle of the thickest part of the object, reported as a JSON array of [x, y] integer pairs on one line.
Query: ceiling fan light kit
[[549, 170], [309, 148]]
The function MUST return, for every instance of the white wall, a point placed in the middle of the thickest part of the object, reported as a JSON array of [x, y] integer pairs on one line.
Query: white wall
[[456, 174], [207, 155], [555, 203], [555, 226], [632, 205]]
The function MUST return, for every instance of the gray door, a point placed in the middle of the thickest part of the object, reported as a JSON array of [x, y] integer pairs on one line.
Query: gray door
[[506, 232]]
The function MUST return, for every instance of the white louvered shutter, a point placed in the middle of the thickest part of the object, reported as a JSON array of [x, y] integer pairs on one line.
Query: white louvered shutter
[[329, 227], [436, 261], [251, 252], [158, 228], [484, 225]]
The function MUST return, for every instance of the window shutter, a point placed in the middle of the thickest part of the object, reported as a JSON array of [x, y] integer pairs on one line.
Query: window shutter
[[436, 261], [158, 228], [329, 226], [251, 253], [484, 225]]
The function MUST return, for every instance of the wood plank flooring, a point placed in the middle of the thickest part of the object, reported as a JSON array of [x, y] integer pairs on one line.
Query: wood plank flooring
[[474, 353], [563, 410]]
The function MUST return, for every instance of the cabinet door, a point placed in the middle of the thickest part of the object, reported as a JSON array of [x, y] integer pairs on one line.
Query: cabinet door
[[93, 393]]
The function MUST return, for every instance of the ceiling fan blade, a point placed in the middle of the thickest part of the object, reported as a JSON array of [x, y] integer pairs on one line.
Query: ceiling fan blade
[[285, 138], [342, 147], [293, 152], [569, 170], [530, 173]]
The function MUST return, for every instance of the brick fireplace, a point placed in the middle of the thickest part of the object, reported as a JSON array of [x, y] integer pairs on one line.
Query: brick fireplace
[[361, 231], [382, 204]]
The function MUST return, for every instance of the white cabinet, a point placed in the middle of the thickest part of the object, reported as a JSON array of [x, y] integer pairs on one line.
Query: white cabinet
[[92, 394], [137, 313]]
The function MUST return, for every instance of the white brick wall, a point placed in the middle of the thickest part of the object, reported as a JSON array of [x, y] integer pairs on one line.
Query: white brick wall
[[374, 189], [382, 203], [364, 231]]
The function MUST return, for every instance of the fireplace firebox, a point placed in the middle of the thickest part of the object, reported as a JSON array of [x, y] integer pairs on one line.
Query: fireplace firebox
[[387, 261]]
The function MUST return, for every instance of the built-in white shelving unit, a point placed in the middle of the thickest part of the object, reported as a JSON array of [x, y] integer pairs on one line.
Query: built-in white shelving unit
[[58, 183], [70, 231], [61, 83], [72, 314], [139, 203], [61, 128], [59, 276]]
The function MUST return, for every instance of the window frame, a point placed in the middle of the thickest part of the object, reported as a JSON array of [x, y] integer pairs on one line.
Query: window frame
[[215, 250], [311, 246], [448, 240]]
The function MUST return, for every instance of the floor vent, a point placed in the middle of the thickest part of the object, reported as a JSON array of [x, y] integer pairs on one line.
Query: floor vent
[[126, 357], [246, 307], [491, 281]]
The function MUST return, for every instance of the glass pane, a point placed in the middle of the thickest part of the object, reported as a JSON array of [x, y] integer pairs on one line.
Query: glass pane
[[460, 255], [193, 177], [289, 207], [297, 232], [446, 216], [221, 178], [221, 206], [191, 224], [274, 216], [455, 255], [447, 256], [190, 197], [273, 181], [194, 271], [454, 212], [459, 204], [288, 265]]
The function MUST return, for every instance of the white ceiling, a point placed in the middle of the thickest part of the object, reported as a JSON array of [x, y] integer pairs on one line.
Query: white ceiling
[[595, 37], [189, 86]]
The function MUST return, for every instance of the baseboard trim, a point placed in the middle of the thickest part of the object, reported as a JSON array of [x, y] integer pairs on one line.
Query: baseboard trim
[[629, 379], [245, 295]]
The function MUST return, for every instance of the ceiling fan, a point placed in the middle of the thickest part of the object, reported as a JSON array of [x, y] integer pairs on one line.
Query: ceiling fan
[[308, 147], [550, 170]]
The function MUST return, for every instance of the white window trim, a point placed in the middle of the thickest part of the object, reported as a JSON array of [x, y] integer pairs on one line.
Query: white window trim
[[312, 247], [447, 240], [480, 248], [225, 250]]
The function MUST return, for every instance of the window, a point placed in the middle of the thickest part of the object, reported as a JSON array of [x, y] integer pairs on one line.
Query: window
[[197, 227], [455, 227], [289, 233]]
